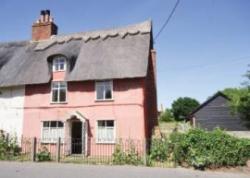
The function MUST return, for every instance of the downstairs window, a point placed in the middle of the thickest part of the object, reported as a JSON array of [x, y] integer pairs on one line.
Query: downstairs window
[[51, 131], [105, 131]]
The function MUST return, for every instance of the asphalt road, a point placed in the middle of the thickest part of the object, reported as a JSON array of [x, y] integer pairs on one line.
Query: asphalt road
[[54, 170]]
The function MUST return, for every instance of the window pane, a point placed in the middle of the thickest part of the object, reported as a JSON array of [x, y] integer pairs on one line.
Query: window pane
[[56, 67], [60, 133], [110, 123], [62, 95], [55, 85], [110, 134], [62, 84], [61, 60], [99, 91], [108, 94], [101, 134], [60, 124], [45, 134], [54, 95], [101, 123], [53, 123], [46, 124], [59, 64]]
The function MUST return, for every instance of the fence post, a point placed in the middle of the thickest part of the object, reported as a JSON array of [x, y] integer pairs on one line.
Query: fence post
[[58, 149], [145, 153], [33, 149]]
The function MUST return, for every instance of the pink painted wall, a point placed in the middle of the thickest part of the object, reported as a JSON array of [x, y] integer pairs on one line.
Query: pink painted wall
[[126, 109], [58, 76]]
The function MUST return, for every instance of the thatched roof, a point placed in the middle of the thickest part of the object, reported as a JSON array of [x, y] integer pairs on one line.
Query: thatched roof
[[106, 54]]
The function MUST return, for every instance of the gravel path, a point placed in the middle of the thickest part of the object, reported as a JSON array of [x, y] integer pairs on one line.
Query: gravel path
[[54, 170]]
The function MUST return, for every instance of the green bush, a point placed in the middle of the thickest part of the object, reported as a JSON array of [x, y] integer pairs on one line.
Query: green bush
[[159, 150], [129, 156], [9, 148], [43, 155], [202, 149], [118, 155]]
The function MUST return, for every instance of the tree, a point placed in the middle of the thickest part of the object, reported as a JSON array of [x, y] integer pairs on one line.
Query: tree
[[244, 105], [235, 95], [183, 106], [240, 98], [247, 82]]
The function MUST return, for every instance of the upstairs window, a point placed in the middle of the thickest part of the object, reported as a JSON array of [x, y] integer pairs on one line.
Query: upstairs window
[[51, 131], [59, 90], [104, 90], [59, 64]]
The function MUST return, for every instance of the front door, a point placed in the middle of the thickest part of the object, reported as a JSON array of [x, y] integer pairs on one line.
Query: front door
[[76, 145]]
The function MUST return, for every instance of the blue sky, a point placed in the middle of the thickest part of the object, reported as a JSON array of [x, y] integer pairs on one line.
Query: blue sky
[[204, 48]]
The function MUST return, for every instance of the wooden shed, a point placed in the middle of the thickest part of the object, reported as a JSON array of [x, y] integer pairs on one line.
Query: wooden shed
[[216, 112]]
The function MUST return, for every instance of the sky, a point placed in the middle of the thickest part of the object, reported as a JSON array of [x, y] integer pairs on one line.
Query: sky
[[204, 48]]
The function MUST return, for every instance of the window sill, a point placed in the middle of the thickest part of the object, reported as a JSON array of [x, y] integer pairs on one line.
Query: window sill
[[105, 143], [51, 142], [59, 103], [58, 71], [104, 100]]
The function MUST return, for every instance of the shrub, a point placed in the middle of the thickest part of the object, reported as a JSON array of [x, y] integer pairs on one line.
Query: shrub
[[129, 156], [8, 147], [118, 155], [43, 155], [159, 150], [132, 157], [201, 149]]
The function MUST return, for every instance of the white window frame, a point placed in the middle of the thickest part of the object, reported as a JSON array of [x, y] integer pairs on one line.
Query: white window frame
[[114, 132], [56, 61], [66, 92], [99, 83], [51, 139]]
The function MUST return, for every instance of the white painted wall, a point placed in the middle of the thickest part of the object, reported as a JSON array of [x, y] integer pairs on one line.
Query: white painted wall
[[11, 110]]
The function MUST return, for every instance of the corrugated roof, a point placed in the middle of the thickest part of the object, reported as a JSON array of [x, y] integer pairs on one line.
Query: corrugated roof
[[106, 54]]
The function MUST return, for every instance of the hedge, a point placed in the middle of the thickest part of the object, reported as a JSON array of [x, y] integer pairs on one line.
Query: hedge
[[202, 149]]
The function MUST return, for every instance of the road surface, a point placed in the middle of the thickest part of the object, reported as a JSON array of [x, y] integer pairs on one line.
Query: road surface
[[59, 170]]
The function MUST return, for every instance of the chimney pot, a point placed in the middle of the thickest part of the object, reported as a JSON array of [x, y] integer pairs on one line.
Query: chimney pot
[[47, 12], [42, 12], [42, 16], [47, 15]]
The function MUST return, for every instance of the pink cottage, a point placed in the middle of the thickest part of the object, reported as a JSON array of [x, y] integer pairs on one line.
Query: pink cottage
[[97, 84]]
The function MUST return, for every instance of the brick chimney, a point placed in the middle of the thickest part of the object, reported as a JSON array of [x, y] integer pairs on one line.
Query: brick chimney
[[44, 27]]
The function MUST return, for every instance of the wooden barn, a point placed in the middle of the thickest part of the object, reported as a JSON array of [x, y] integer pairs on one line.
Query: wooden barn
[[216, 112]]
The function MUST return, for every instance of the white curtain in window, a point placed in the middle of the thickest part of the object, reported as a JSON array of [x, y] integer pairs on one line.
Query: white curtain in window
[[105, 133], [52, 133]]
